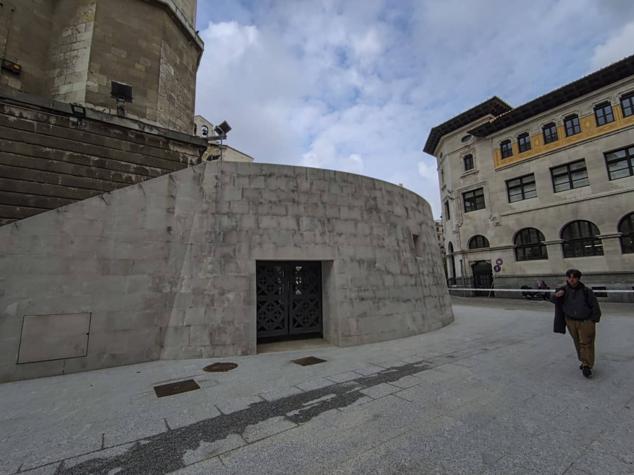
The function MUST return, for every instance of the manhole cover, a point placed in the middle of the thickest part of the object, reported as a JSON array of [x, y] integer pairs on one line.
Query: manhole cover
[[220, 367], [176, 388], [309, 360]]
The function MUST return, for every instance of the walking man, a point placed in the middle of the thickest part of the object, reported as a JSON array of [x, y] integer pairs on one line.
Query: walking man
[[578, 305]]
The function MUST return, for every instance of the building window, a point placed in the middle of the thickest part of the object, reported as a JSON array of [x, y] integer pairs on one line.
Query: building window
[[627, 104], [468, 162], [204, 130], [506, 149], [626, 228], [529, 245], [572, 125], [465, 138], [478, 242], [550, 133], [620, 163], [580, 239], [524, 142], [473, 200], [603, 113], [447, 214], [452, 264], [571, 175], [521, 188]]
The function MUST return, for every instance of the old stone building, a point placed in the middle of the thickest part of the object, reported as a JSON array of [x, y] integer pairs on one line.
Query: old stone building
[[92, 99], [135, 58], [528, 192]]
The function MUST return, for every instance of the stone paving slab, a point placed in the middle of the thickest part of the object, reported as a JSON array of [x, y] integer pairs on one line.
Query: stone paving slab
[[495, 392]]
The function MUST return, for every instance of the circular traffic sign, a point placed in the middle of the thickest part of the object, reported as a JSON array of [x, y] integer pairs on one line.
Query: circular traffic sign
[[499, 261], [497, 268]]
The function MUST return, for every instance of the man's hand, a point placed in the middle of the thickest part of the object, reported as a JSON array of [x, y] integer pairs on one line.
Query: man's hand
[[559, 293]]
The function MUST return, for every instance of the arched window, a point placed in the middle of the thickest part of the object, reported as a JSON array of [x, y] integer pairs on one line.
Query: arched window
[[572, 125], [529, 245], [603, 113], [627, 104], [524, 142], [580, 239], [626, 228], [478, 242], [550, 133], [506, 149], [204, 130]]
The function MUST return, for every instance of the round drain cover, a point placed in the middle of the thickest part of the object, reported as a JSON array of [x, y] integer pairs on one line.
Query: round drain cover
[[220, 367]]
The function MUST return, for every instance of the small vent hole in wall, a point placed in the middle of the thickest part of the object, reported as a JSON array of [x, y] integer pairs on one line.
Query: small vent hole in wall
[[416, 240]]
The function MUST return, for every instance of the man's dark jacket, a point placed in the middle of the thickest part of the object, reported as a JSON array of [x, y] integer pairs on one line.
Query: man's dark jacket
[[578, 309]]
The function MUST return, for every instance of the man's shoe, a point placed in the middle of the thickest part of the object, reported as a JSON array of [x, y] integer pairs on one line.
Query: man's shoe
[[587, 372]]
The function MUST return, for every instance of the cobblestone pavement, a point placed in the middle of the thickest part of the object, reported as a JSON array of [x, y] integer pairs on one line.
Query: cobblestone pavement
[[495, 392]]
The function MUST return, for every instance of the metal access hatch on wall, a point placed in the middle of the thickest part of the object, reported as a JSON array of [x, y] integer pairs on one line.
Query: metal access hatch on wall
[[54, 337]]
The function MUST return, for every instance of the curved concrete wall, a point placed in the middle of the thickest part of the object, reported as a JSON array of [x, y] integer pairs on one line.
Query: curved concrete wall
[[166, 268]]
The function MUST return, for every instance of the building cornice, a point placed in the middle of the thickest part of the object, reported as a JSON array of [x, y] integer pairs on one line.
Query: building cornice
[[493, 106], [581, 87]]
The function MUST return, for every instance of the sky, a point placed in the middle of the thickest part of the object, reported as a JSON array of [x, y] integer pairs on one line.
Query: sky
[[356, 85]]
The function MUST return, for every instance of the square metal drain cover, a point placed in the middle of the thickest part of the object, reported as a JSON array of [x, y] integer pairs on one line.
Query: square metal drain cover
[[308, 360], [176, 388]]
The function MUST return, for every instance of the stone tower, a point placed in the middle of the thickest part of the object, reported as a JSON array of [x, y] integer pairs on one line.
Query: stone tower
[[136, 58]]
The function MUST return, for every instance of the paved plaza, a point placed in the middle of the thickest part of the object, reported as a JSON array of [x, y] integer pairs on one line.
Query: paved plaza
[[495, 392]]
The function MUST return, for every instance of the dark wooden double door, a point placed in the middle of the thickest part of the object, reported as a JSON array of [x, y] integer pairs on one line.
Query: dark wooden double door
[[289, 300], [482, 278]]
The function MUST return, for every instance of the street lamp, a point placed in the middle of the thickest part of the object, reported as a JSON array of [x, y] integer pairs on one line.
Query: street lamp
[[221, 131]]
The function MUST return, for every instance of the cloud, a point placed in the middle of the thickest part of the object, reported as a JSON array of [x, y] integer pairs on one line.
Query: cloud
[[229, 41], [615, 48], [357, 85], [426, 170]]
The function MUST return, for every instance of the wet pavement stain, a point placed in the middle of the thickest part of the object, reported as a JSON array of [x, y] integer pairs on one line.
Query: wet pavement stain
[[164, 452]]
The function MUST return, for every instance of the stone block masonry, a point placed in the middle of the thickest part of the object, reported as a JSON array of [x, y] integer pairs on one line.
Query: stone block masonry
[[50, 158], [166, 268], [73, 50]]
